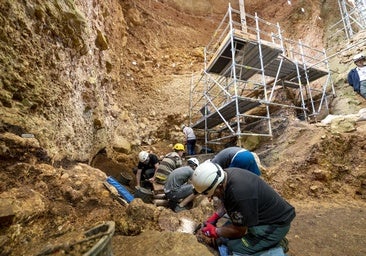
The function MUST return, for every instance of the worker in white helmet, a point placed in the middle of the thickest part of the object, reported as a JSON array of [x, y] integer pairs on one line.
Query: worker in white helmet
[[178, 188], [259, 217], [147, 165], [357, 76]]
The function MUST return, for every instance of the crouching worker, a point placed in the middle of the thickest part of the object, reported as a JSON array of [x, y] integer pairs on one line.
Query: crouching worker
[[148, 164], [178, 189], [240, 158], [170, 162], [259, 217]]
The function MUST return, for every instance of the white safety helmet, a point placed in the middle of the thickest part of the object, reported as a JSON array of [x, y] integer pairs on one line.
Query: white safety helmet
[[193, 161], [143, 156], [206, 177], [183, 126], [358, 57]]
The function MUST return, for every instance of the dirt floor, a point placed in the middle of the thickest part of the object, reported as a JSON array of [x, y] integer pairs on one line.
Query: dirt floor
[[328, 227]]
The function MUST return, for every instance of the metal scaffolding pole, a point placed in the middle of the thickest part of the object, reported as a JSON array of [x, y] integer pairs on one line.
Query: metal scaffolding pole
[[244, 65]]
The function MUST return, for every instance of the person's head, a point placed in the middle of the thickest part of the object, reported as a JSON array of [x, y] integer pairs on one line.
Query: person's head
[[359, 59], [183, 126], [206, 177], [143, 156], [193, 162], [179, 148]]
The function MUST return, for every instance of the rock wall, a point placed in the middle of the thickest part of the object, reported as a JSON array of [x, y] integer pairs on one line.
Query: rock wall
[[83, 75], [60, 72]]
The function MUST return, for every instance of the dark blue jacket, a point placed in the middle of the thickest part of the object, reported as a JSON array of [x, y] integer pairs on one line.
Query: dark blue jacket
[[354, 80]]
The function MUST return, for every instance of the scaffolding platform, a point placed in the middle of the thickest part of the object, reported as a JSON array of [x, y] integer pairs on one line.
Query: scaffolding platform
[[290, 76], [244, 45], [225, 112], [248, 63]]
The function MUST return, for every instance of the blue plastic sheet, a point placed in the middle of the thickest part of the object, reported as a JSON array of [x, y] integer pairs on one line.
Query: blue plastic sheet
[[122, 191]]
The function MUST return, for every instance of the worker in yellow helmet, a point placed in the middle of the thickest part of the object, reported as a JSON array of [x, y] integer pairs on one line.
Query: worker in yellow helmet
[[170, 162]]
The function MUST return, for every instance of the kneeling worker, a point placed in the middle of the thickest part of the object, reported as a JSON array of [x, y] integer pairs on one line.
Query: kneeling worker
[[178, 189], [170, 162], [259, 217], [240, 158]]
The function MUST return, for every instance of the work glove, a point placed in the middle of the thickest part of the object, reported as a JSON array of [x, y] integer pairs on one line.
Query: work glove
[[210, 231], [213, 219]]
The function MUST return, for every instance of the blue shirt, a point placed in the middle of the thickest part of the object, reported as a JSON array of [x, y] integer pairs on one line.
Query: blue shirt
[[354, 80]]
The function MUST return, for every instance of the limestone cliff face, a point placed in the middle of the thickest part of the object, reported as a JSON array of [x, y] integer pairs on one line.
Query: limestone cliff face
[[85, 75], [60, 71]]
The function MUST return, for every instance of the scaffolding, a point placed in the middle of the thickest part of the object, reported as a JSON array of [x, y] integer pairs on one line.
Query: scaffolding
[[352, 21], [353, 16], [245, 63]]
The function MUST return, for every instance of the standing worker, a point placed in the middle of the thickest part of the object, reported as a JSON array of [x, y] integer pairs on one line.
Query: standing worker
[[357, 76], [171, 161], [238, 157], [190, 139], [259, 217], [148, 164], [178, 190]]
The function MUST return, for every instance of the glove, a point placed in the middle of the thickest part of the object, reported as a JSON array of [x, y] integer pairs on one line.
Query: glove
[[213, 219], [210, 231]]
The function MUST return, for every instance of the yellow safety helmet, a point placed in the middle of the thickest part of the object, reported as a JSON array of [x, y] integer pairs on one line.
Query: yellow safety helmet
[[178, 147]]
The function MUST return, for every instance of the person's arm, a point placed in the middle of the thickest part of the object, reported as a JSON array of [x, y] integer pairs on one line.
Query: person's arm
[[213, 219], [228, 231], [156, 166], [231, 231], [349, 78], [221, 211], [352, 76], [152, 179], [138, 177], [178, 163], [185, 136]]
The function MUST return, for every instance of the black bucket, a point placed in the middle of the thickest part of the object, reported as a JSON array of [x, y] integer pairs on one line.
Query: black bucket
[[97, 241], [146, 195], [103, 247], [125, 178]]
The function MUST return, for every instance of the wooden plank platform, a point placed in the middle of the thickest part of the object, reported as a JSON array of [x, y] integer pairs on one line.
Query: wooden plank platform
[[288, 72], [247, 60], [227, 111], [247, 55]]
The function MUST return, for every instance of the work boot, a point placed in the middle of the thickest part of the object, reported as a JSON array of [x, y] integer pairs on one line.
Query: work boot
[[179, 209], [284, 244]]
